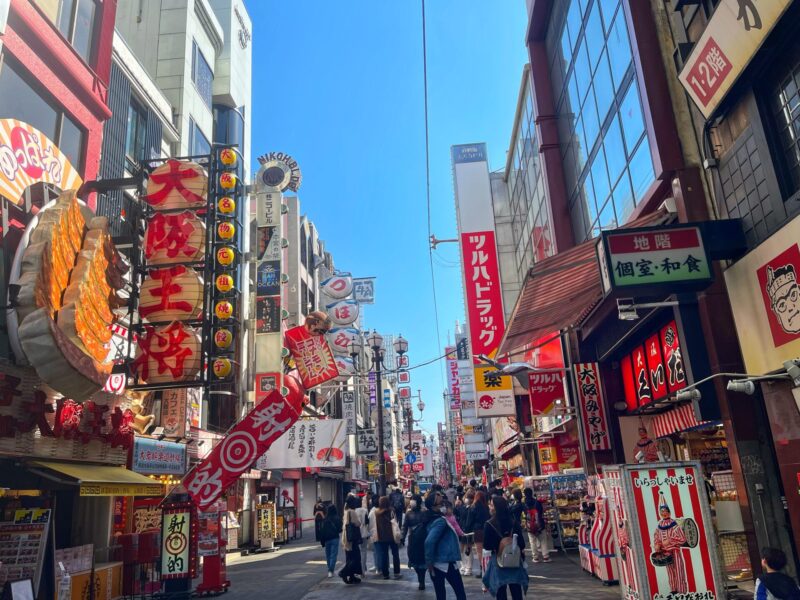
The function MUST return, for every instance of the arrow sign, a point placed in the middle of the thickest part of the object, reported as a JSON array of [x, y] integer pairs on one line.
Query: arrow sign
[[411, 458]]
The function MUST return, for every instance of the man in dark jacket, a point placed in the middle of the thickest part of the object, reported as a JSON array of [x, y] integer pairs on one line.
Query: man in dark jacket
[[772, 584], [398, 505], [533, 519], [517, 507]]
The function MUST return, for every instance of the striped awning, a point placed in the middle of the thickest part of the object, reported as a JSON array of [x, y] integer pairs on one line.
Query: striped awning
[[680, 418]]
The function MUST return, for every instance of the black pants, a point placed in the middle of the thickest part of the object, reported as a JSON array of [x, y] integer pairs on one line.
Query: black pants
[[453, 577], [384, 551], [352, 565], [516, 592], [420, 576]]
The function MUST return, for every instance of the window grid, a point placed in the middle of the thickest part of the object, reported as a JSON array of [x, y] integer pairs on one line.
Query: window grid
[[202, 75], [787, 116]]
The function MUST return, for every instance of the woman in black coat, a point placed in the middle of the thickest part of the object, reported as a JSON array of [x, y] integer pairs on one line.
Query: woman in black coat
[[477, 516]]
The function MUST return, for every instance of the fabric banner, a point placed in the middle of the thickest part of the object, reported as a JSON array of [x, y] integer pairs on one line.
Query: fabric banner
[[591, 406], [310, 443], [312, 355], [243, 444]]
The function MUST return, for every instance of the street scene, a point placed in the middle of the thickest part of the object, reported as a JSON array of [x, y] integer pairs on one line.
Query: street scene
[[371, 299]]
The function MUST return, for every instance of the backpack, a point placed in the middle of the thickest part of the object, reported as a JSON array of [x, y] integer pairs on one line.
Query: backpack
[[533, 521], [416, 544], [508, 553]]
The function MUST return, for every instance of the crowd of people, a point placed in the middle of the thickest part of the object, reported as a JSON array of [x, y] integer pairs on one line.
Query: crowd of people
[[448, 534]]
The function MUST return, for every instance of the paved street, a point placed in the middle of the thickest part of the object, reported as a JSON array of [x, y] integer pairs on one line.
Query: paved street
[[297, 571]]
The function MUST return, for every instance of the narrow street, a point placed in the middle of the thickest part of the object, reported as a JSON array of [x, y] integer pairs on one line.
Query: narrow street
[[298, 572]]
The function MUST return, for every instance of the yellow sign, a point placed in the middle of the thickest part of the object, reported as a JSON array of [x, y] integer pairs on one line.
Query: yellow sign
[[484, 382], [373, 468], [121, 489]]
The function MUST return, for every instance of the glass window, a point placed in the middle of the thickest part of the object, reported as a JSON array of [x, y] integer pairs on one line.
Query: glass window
[[641, 167], [591, 126], [202, 75], [573, 24], [574, 106], [619, 49], [75, 20], [608, 8], [631, 114], [623, 199], [586, 193], [600, 177], [71, 141], [615, 151], [786, 106], [603, 87], [136, 130], [577, 212], [594, 35], [198, 143], [582, 73]]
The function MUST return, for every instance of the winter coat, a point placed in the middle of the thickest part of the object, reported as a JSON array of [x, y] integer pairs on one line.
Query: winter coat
[[362, 516], [493, 533], [350, 516], [460, 513], [776, 586], [441, 543], [517, 508], [476, 517], [330, 529], [383, 525], [412, 518]]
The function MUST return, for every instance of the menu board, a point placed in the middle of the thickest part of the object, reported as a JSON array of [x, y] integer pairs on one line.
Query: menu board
[[22, 545]]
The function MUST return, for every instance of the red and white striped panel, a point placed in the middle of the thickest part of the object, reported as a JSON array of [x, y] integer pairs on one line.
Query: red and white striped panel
[[605, 568], [674, 420], [601, 537], [586, 559]]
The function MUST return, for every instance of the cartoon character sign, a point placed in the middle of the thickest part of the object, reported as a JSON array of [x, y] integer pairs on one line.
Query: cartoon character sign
[[646, 450], [781, 293], [668, 539]]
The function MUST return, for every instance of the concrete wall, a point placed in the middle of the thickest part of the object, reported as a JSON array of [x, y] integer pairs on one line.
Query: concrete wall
[[504, 238]]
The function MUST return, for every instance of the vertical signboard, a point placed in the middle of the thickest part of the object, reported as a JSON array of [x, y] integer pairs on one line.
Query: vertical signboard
[[591, 406], [452, 378], [349, 410], [178, 541]]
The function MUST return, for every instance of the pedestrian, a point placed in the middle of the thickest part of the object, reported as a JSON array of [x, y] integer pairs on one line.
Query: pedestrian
[[441, 550], [772, 584], [506, 569], [414, 533], [385, 538], [536, 527], [373, 532], [460, 511], [451, 494], [366, 538], [476, 519], [351, 540], [517, 506], [451, 518], [398, 505], [329, 532], [319, 515]]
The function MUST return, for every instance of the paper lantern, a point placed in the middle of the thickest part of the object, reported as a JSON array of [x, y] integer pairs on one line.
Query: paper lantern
[[338, 286], [226, 230], [171, 294], [226, 205], [227, 156], [226, 255], [343, 312], [174, 238], [224, 310], [168, 353], [177, 184], [223, 338], [222, 367], [339, 339], [345, 365], [227, 181], [224, 283]]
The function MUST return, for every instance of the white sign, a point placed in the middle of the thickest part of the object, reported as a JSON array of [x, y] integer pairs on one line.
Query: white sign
[[337, 286], [366, 441], [483, 455], [343, 312], [364, 290], [279, 172], [306, 444], [730, 40], [349, 410]]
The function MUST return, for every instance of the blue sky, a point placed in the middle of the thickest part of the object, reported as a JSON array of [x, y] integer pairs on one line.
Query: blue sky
[[338, 85]]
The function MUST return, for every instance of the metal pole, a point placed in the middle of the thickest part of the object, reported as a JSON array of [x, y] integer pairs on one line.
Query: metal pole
[[410, 418], [377, 357]]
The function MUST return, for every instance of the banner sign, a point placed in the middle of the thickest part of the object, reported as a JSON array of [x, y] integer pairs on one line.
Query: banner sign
[[452, 378], [243, 444], [591, 406], [349, 410], [495, 393], [154, 457], [309, 443], [174, 404], [403, 377], [662, 256], [366, 442], [364, 290], [178, 541], [543, 390], [337, 286], [731, 38], [266, 383], [373, 388], [312, 355]]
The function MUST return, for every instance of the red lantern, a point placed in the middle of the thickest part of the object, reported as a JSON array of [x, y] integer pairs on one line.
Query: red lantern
[[177, 184], [168, 353]]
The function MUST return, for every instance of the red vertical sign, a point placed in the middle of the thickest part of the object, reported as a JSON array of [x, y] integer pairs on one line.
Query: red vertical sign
[[673, 358], [631, 399], [483, 292], [655, 367], [591, 406], [641, 378]]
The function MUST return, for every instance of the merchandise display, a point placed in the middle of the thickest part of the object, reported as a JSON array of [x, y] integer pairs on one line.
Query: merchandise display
[[568, 491]]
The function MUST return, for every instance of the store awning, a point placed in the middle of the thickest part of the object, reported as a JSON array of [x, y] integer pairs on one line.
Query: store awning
[[680, 418], [96, 480], [560, 291]]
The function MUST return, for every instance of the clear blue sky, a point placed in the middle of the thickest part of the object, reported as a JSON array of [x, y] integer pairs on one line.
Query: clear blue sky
[[339, 86]]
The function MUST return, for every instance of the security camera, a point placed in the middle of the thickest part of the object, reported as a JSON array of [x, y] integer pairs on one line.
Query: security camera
[[793, 369], [687, 395], [743, 386], [626, 309]]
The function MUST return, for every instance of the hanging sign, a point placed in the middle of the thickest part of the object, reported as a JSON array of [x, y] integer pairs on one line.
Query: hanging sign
[[364, 290], [171, 294], [158, 457], [453, 380], [266, 383], [279, 172], [591, 406], [28, 156], [403, 377], [312, 355], [366, 441], [243, 444], [178, 541], [345, 366], [309, 443], [373, 388], [168, 353], [174, 405], [672, 356], [337, 286], [174, 238], [177, 184], [544, 389], [343, 312], [495, 393], [349, 410], [340, 339]]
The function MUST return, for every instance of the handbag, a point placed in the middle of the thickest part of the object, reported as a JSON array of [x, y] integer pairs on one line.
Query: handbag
[[396, 532], [352, 532]]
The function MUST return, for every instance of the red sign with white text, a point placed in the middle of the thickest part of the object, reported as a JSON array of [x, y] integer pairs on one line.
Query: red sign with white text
[[641, 377], [484, 298], [544, 389], [591, 406], [655, 366], [312, 355], [673, 358], [628, 381]]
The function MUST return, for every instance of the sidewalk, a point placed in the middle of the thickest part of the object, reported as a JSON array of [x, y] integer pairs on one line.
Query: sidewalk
[[561, 579]]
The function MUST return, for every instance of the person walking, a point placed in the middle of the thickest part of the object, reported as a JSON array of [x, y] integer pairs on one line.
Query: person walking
[[413, 535], [398, 505], [441, 550], [385, 539], [373, 532], [319, 516], [329, 532], [462, 516], [517, 506], [534, 523], [476, 519], [773, 584], [366, 537], [506, 569], [351, 540]]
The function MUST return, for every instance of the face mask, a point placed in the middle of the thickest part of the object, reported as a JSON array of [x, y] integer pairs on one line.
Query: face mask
[[412, 504], [443, 510], [467, 502]]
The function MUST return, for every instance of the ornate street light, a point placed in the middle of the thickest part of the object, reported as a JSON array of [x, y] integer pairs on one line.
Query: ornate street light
[[375, 342], [401, 345]]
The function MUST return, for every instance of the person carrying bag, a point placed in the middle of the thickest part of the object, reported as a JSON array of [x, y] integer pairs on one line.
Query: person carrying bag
[[351, 540], [506, 568]]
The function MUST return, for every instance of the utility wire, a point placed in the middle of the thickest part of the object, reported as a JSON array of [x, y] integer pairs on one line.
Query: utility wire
[[428, 184]]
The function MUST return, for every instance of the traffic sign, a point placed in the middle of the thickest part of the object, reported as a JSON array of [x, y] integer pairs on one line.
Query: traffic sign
[[411, 458]]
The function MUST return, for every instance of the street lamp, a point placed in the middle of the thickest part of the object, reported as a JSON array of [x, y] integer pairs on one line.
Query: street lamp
[[354, 348], [375, 341], [401, 345]]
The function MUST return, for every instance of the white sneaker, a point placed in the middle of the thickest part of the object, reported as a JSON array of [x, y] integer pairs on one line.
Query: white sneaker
[[330, 574]]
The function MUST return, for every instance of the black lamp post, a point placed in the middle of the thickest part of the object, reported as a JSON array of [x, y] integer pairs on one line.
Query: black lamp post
[[375, 342]]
